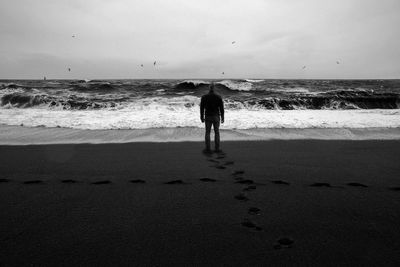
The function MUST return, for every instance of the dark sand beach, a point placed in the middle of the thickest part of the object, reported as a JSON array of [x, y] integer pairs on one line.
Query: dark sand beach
[[273, 203]]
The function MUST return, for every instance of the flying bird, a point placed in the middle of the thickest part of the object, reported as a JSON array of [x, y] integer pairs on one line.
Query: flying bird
[[303, 67], [141, 65], [69, 69], [73, 36], [223, 73], [154, 63], [337, 62], [233, 42]]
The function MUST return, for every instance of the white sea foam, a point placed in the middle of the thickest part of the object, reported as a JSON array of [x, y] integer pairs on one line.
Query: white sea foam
[[294, 90], [151, 114]]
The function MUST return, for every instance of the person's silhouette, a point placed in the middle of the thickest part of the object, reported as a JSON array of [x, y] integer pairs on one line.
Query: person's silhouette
[[212, 113]]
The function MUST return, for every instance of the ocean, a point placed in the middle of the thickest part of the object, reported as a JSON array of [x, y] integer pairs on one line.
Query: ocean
[[249, 104]]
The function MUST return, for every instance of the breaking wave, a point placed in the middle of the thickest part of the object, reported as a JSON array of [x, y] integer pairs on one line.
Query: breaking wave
[[340, 100], [24, 100]]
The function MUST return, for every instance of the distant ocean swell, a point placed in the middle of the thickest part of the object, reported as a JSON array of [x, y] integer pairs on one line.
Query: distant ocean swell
[[97, 95], [139, 104]]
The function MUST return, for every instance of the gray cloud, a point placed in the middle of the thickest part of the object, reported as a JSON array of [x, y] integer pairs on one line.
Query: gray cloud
[[188, 38]]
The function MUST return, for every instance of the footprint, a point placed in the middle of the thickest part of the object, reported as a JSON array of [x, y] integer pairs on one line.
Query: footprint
[[220, 167], [254, 211], [207, 180], [250, 188], [357, 184], [33, 182], [280, 182], [3, 180], [320, 185], [102, 182], [247, 181], [175, 182], [241, 197], [284, 242], [249, 224], [395, 188], [229, 163], [137, 181], [238, 172], [69, 181]]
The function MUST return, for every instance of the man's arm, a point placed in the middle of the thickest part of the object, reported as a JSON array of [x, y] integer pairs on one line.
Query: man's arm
[[221, 110], [202, 109]]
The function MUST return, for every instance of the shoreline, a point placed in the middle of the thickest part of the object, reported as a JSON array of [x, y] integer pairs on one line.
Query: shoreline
[[20, 135]]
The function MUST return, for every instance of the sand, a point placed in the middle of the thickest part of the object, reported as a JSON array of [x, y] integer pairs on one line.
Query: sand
[[262, 203]]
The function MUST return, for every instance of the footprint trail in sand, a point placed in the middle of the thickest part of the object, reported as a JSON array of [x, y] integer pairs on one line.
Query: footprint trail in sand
[[222, 163]]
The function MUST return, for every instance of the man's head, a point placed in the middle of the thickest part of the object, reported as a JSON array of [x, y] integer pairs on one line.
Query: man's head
[[212, 86]]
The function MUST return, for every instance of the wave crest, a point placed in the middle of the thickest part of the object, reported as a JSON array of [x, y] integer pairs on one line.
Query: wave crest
[[237, 85], [191, 84], [253, 80]]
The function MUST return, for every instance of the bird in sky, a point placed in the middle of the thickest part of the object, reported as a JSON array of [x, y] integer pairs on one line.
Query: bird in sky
[[304, 67], [233, 42], [73, 36], [154, 63], [141, 65], [69, 69], [223, 73], [337, 62]]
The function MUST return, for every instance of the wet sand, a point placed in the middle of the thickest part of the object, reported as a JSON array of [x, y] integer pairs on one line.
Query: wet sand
[[20, 135], [260, 203]]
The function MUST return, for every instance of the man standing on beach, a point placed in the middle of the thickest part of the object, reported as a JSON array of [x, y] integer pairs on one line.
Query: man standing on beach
[[212, 113]]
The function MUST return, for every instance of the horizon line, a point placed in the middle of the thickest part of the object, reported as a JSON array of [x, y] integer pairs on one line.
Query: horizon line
[[227, 78]]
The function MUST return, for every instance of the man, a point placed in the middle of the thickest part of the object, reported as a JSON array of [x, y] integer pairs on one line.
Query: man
[[212, 107]]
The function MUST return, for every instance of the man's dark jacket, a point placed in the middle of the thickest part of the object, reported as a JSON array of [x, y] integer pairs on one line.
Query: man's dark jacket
[[211, 105]]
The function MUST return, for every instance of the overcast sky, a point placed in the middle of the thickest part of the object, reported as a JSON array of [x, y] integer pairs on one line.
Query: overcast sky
[[193, 38]]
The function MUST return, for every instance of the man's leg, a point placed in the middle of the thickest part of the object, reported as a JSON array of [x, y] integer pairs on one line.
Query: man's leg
[[216, 132], [208, 131]]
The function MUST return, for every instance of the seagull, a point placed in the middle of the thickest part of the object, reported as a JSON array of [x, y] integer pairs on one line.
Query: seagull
[[223, 73], [154, 63], [337, 62], [233, 42], [73, 36], [304, 67], [69, 69], [141, 65]]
